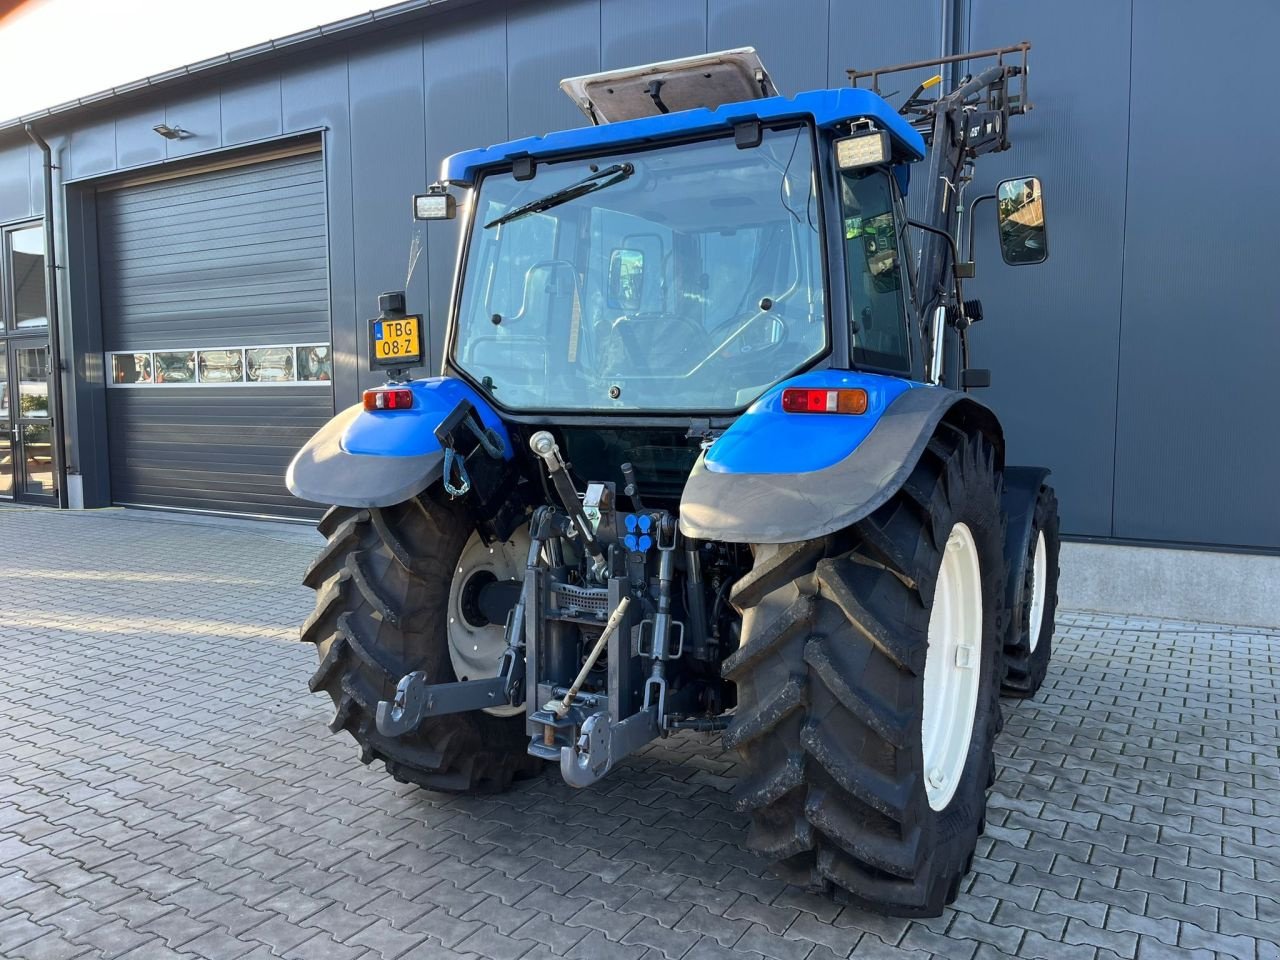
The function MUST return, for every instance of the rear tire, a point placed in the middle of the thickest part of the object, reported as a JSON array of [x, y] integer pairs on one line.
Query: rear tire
[[382, 592], [1029, 644], [831, 682]]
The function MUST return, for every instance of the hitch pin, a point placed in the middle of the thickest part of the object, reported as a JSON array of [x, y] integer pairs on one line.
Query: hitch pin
[[561, 707]]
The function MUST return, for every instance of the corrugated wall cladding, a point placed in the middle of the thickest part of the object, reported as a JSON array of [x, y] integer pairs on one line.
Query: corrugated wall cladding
[[228, 258], [1196, 452], [1050, 331], [1135, 362]]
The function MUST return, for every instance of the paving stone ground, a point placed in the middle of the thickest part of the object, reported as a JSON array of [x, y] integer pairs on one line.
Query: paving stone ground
[[168, 789]]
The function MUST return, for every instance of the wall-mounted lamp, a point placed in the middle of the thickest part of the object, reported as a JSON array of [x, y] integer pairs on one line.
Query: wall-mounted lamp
[[172, 133]]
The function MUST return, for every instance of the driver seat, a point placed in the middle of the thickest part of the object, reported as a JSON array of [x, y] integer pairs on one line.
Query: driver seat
[[552, 307]]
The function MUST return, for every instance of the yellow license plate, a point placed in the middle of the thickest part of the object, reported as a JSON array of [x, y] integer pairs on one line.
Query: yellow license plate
[[398, 340]]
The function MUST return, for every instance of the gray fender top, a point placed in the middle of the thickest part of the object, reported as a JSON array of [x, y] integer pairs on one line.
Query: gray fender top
[[323, 472], [788, 507]]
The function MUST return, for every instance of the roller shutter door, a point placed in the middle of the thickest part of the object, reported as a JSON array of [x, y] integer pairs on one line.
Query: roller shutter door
[[215, 308]]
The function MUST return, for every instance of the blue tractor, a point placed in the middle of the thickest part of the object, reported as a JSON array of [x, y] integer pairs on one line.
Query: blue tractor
[[704, 456]]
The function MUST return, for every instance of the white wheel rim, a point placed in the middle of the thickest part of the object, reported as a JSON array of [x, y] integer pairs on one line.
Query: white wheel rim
[[474, 651], [1039, 567], [952, 667]]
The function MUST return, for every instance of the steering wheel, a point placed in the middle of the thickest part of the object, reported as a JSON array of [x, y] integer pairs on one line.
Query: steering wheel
[[670, 337], [739, 332]]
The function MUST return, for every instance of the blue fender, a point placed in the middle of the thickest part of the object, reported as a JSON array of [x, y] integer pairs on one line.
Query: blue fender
[[778, 477], [766, 439], [376, 458]]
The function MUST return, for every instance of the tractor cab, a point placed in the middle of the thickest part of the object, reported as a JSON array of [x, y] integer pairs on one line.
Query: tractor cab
[[684, 262]]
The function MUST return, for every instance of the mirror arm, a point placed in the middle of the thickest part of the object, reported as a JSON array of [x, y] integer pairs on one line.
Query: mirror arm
[[951, 243], [939, 312], [973, 214]]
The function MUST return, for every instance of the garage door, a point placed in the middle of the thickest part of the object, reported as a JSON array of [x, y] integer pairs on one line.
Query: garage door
[[215, 307]]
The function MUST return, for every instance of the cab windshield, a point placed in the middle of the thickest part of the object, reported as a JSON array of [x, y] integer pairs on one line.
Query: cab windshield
[[686, 278]]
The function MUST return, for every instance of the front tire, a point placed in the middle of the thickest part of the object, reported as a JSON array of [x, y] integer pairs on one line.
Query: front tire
[[839, 703], [382, 587]]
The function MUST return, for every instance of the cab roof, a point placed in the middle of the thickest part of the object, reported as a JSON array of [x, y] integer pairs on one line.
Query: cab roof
[[825, 108]]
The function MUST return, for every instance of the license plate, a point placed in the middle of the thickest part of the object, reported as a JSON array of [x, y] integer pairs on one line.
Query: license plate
[[398, 341]]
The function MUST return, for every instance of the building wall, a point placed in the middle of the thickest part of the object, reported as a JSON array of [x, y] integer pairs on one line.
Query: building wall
[[1133, 362]]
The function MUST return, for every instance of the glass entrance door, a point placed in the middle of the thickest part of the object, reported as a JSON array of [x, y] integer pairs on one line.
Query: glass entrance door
[[26, 422], [26, 409]]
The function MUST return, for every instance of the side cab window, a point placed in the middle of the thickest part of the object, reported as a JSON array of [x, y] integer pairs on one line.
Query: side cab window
[[876, 275]]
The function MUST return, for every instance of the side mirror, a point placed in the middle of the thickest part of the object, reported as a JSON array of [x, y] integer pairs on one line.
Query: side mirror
[[1020, 210], [626, 278]]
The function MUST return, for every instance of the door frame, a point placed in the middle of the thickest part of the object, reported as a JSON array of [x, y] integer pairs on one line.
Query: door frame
[[15, 421], [12, 339]]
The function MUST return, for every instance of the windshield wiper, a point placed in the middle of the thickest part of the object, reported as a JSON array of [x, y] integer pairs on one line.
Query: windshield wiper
[[596, 181]]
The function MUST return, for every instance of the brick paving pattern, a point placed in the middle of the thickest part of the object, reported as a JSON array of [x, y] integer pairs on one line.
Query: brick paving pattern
[[168, 789]]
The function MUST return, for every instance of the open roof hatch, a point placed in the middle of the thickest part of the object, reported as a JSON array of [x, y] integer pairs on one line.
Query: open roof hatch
[[706, 80]]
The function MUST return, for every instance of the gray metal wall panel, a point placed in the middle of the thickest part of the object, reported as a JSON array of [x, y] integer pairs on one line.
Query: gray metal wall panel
[[645, 31], [251, 111], [228, 258], [869, 34], [199, 113], [465, 79], [1196, 455], [85, 401], [216, 448], [791, 46], [1050, 331], [93, 149], [388, 157], [137, 142], [547, 42], [315, 95]]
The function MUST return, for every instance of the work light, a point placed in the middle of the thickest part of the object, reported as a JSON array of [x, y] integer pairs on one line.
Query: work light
[[866, 148], [434, 205]]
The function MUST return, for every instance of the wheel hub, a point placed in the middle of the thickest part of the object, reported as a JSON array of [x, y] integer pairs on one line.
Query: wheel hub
[[952, 669], [477, 634]]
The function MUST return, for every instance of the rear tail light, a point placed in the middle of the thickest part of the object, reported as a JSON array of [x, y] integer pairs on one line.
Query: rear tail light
[[805, 400], [388, 399]]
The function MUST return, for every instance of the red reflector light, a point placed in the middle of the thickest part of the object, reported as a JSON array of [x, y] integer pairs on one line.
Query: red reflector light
[[803, 400], [382, 399]]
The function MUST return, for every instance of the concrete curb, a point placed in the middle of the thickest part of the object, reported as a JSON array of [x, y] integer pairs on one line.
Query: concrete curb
[[1196, 585]]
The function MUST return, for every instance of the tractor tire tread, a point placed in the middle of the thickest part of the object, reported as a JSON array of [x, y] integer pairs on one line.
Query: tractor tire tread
[[334, 555], [777, 570], [828, 692], [384, 608], [1025, 669], [375, 620]]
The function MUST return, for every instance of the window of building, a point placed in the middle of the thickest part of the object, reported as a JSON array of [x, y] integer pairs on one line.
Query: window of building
[[26, 270], [222, 366]]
